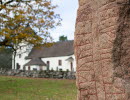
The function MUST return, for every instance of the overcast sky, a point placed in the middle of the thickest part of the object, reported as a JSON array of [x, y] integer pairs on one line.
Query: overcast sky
[[68, 11]]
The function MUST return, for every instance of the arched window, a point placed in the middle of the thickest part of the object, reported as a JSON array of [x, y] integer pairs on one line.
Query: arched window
[[20, 55], [48, 63], [60, 62], [18, 66], [28, 67], [71, 66]]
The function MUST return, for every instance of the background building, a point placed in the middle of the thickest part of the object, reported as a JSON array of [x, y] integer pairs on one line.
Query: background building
[[59, 56]]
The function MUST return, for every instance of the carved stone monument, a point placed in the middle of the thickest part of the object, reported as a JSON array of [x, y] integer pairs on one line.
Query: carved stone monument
[[102, 49]]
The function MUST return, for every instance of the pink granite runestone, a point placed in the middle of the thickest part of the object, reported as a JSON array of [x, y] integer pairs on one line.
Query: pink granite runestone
[[102, 50]]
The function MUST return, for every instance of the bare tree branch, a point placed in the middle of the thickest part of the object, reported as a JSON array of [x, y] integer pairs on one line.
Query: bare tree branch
[[8, 2], [18, 2], [1, 2]]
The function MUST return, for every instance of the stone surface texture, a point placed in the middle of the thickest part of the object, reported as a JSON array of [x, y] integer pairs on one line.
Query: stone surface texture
[[102, 49]]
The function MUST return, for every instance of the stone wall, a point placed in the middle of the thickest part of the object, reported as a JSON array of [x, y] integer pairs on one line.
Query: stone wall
[[102, 49], [39, 74]]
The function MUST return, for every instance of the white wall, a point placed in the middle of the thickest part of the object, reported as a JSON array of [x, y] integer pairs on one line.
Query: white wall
[[36, 67], [54, 62], [22, 61], [23, 51]]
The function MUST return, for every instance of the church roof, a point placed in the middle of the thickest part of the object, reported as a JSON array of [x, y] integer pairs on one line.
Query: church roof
[[58, 49], [35, 61], [70, 59]]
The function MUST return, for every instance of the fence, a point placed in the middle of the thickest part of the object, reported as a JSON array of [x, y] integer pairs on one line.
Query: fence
[[39, 74]]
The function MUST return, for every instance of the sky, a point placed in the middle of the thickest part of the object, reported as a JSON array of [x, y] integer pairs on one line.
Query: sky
[[68, 12]]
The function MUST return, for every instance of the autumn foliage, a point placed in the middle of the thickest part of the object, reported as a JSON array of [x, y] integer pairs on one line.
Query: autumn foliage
[[26, 20]]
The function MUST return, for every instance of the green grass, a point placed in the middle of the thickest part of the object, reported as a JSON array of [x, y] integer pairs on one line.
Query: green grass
[[13, 88]]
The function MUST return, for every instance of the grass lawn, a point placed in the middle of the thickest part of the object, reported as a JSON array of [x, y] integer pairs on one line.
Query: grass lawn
[[15, 88]]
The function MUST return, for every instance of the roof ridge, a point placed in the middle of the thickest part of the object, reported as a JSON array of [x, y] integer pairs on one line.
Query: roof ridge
[[57, 50]]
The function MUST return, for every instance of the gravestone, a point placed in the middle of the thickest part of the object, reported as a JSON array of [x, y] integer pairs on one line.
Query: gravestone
[[102, 49]]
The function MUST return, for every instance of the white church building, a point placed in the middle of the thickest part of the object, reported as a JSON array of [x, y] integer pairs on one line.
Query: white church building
[[59, 56]]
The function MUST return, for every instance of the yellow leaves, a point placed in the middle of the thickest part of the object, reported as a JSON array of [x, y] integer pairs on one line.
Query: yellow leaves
[[22, 35], [38, 13], [21, 12], [51, 13], [1, 33], [2, 7], [19, 17], [38, 1], [42, 21], [10, 24], [46, 4], [7, 36], [4, 16], [6, 31]]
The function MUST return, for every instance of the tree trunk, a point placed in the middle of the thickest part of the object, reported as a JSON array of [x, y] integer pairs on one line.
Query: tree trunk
[[14, 60], [102, 50]]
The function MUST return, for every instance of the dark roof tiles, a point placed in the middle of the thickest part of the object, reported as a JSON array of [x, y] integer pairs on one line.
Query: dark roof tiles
[[58, 49], [35, 61]]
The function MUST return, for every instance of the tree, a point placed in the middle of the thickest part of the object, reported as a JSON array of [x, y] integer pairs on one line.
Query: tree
[[16, 15], [63, 38], [6, 58]]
